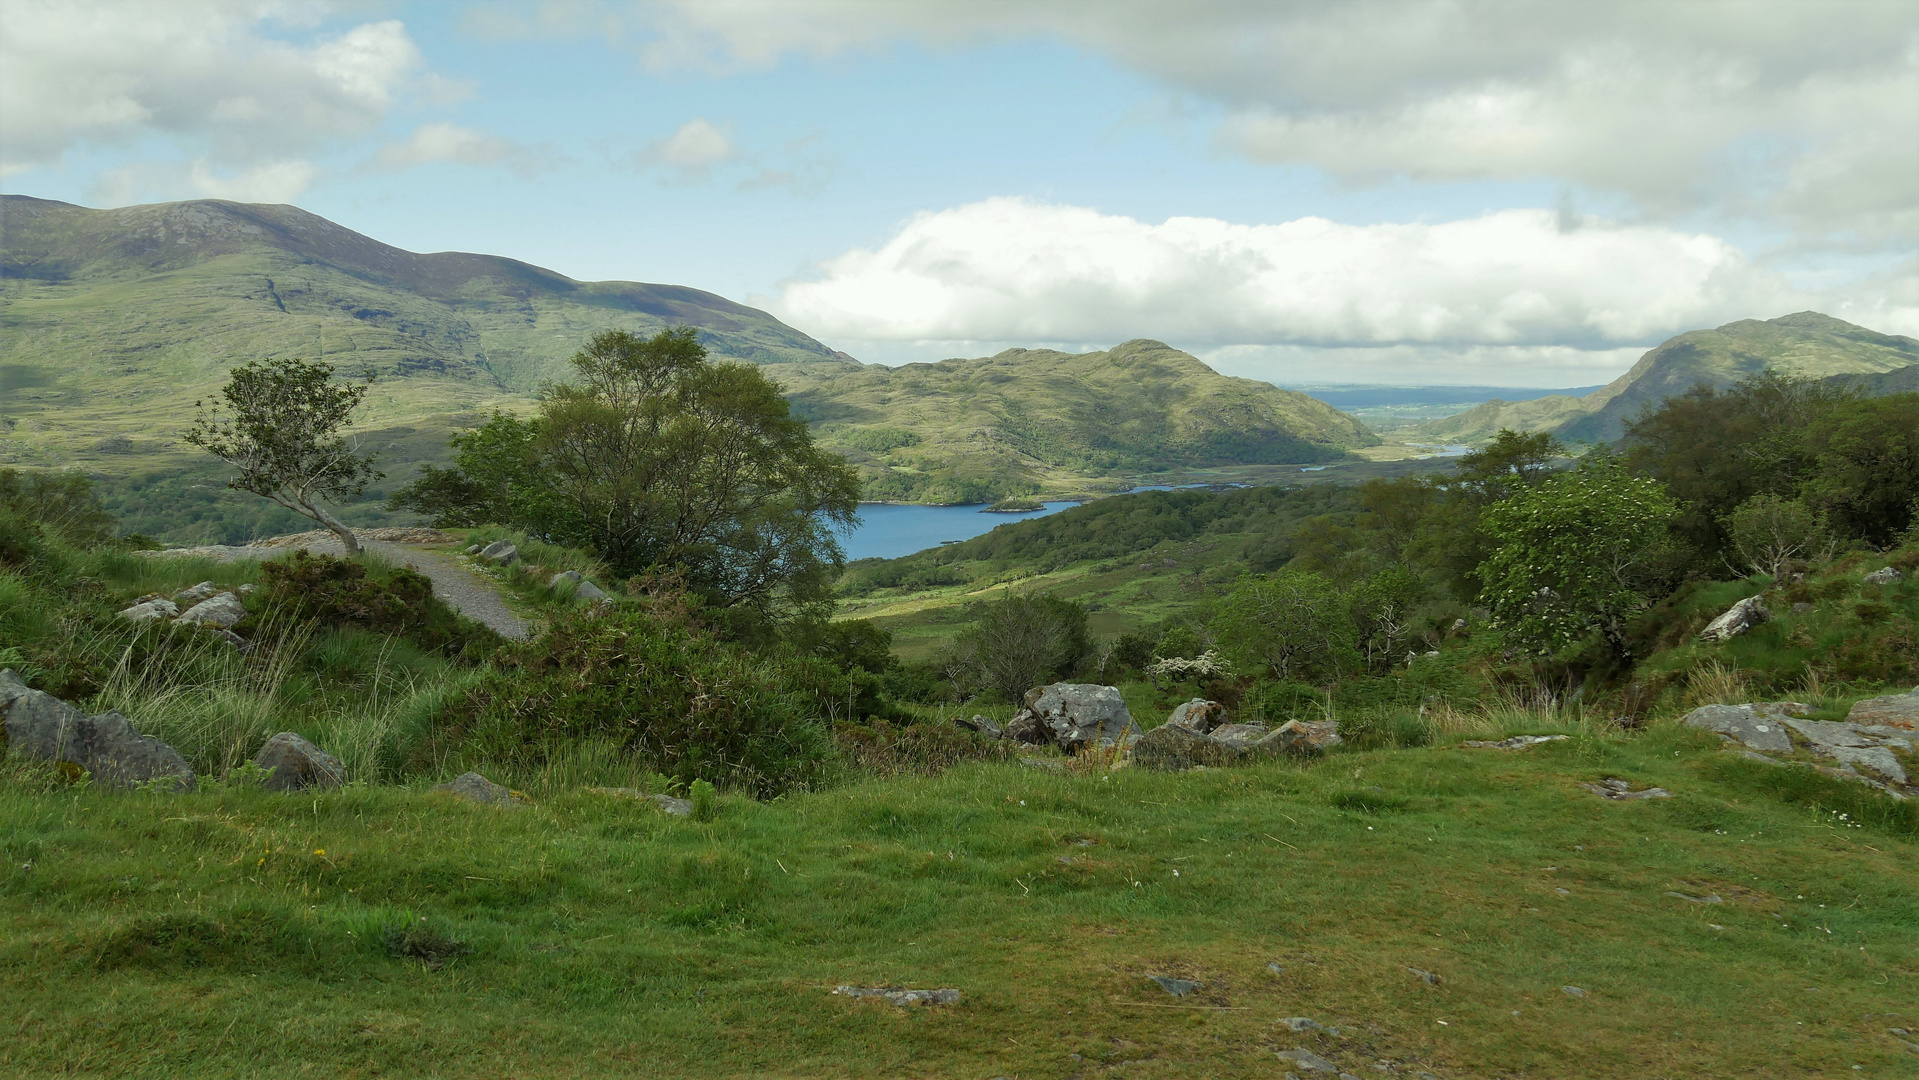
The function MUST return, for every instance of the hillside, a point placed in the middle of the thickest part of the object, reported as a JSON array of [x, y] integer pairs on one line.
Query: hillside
[[1805, 345], [113, 322], [1033, 419]]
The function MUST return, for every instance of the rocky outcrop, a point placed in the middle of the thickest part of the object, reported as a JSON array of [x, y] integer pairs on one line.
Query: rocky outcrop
[[1239, 736], [1200, 715], [150, 608], [1073, 716], [222, 610], [1894, 710], [476, 788], [1888, 576], [106, 746], [1173, 748], [1864, 751], [294, 764], [1747, 725], [1302, 737], [1738, 619]]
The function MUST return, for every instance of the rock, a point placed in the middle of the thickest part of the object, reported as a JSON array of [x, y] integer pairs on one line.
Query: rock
[[1200, 715], [294, 764], [1082, 714], [590, 591], [500, 553], [1239, 736], [1026, 728], [1801, 608], [582, 588], [149, 610], [1175, 987], [902, 998], [1829, 734], [476, 788], [1308, 1060], [1709, 898], [1173, 749], [1517, 742], [116, 756], [1895, 710], [191, 596], [473, 549], [1459, 626], [1888, 576], [1299, 737], [1742, 724], [676, 807], [1876, 759], [1426, 977], [1573, 991], [1301, 1023], [1738, 619], [224, 611], [981, 725], [1617, 790]]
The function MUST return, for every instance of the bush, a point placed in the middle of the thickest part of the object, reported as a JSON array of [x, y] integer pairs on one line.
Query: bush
[[923, 748], [675, 698], [400, 602]]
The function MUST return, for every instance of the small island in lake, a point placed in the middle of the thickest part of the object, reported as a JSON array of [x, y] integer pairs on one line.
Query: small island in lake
[[1014, 505]]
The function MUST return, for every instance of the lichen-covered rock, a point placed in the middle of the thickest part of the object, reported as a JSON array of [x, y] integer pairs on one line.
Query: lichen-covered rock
[[1026, 728], [1887, 576], [1200, 715], [1239, 736], [149, 610], [224, 611], [1082, 714], [1742, 724], [476, 788], [1171, 748], [42, 726], [582, 588], [1893, 710], [980, 724], [500, 553], [1299, 737], [191, 596], [294, 764], [1738, 619]]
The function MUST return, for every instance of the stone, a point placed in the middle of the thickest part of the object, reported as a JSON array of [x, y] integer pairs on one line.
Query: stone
[[294, 764], [190, 596], [1876, 759], [1299, 737], [1026, 728], [1801, 608], [676, 807], [1240, 736], [979, 724], [42, 726], [902, 998], [1828, 734], [1174, 749], [1301, 1023], [582, 588], [476, 788], [1618, 790], [1894, 710], [474, 549], [1517, 742], [500, 553], [1308, 1060], [1887, 576], [1082, 714], [149, 610], [1709, 898], [1573, 991], [590, 592], [1742, 724], [1200, 715], [1426, 977], [224, 611], [1176, 987], [1737, 619]]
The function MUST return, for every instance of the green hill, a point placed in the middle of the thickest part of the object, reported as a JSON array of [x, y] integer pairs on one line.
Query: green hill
[[1032, 420], [1805, 345]]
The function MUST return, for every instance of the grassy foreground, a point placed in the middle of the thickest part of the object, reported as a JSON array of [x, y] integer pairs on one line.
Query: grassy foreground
[[238, 933]]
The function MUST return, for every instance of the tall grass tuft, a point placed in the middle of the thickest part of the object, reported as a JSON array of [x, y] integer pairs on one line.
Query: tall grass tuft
[[1714, 683]]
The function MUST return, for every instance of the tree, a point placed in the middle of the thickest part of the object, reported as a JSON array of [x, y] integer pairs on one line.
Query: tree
[[1020, 641], [1293, 622], [1866, 466], [1382, 608], [495, 480], [1577, 553], [1769, 532], [283, 434]]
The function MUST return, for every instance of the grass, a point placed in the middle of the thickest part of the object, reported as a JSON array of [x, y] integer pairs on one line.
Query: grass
[[236, 933]]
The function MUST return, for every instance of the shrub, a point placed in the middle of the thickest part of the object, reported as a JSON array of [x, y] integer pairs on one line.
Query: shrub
[[677, 699], [342, 592], [703, 796]]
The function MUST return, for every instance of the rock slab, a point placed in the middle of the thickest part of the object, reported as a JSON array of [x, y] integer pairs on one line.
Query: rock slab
[[1743, 724], [902, 998], [476, 788], [500, 553], [1738, 619], [1172, 748], [1894, 710], [223, 611], [294, 764], [1200, 715], [42, 726]]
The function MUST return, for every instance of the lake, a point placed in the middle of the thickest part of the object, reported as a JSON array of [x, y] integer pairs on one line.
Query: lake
[[889, 530]]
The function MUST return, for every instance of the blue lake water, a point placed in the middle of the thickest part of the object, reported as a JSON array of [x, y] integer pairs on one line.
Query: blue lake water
[[889, 530]]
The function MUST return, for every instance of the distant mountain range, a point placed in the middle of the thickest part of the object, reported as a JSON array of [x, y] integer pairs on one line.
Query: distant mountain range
[[114, 322], [1805, 345]]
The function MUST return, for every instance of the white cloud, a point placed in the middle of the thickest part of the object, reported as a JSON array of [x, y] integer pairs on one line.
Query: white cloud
[[692, 151], [1803, 111], [207, 73], [266, 182], [436, 143], [1014, 270]]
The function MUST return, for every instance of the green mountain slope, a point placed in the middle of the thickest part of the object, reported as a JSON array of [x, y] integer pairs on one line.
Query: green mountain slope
[[113, 322], [1805, 345], [1029, 420]]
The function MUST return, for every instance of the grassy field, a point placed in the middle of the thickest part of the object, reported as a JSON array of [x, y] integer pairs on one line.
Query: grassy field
[[238, 933]]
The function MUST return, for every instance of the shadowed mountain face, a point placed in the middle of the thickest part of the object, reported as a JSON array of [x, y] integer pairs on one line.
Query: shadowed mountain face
[[1806, 345]]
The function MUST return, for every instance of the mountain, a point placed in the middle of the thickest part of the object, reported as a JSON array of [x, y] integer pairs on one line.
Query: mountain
[[1034, 419], [1806, 345], [113, 322]]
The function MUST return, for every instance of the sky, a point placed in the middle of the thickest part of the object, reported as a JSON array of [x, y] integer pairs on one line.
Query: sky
[[1392, 191]]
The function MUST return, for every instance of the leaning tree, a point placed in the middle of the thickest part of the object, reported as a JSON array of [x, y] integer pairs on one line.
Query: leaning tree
[[281, 428]]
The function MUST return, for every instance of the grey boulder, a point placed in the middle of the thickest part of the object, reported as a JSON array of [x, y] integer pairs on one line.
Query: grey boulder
[[1894, 710], [1239, 736], [500, 553], [1308, 1060], [1300, 737], [1200, 715], [980, 724], [294, 764], [476, 788], [1738, 619], [224, 611], [1888, 576], [1742, 724], [1171, 748], [582, 588], [191, 596], [903, 998], [42, 726], [149, 610], [1081, 714]]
